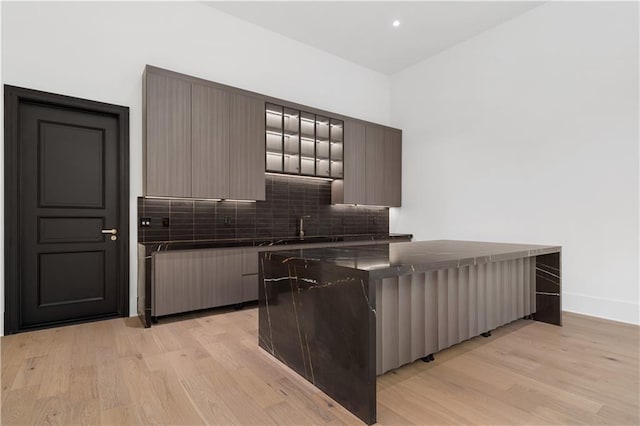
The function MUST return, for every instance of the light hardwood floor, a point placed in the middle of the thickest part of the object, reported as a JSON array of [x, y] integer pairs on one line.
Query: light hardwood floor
[[207, 368]]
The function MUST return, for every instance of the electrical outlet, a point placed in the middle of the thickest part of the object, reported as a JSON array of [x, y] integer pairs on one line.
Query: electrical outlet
[[227, 221], [145, 222], [165, 222]]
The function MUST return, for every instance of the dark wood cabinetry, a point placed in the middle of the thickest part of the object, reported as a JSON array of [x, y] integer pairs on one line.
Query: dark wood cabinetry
[[167, 127], [201, 140], [209, 142], [392, 170], [373, 166], [246, 148], [206, 140], [355, 177], [198, 279]]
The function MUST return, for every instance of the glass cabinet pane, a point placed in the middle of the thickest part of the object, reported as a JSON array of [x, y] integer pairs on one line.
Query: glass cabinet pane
[[323, 163], [273, 138], [336, 169], [336, 148], [322, 150], [336, 151], [307, 125], [336, 130], [273, 117], [274, 162], [292, 163], [307, 147], [322, 128], [323, 168], [291, 121], [291, 132], [308, 166]]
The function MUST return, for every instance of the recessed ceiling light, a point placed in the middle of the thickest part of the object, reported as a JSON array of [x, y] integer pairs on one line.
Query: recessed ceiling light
[[396, 23]]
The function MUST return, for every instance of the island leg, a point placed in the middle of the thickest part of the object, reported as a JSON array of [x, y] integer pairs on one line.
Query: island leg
[[548, 289], [319, 320]]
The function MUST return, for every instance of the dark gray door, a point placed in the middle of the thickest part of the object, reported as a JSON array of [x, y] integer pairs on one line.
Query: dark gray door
[[69, 240]]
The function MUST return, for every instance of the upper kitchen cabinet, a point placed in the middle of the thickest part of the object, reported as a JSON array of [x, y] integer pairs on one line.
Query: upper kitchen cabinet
[[392, 192], [206, 140], [303, 143], [167, 136], [352, 189], [201, 139], [209, 142], [372, 166], [246, 148]]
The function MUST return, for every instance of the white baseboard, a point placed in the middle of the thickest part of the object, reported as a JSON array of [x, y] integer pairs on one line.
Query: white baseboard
[[616, 310]]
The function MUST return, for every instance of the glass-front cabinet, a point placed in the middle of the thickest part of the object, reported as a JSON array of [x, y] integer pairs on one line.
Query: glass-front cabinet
[[303, 143], [336, 148], [274, 146]]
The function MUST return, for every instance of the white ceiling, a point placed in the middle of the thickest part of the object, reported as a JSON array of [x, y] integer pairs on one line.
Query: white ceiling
[[361, 31]]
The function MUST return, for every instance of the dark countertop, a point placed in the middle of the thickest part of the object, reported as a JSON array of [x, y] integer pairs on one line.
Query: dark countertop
[[393, 259], [264, 242]]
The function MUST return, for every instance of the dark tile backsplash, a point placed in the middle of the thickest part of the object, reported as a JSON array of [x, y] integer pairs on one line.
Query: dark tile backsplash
[[287, 198]]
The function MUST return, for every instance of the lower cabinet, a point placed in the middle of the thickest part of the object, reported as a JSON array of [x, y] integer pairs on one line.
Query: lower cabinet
[[196, 279], [208, 278], [250, 287]]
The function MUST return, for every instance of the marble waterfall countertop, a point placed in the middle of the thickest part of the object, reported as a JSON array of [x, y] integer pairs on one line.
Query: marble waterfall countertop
[[393, 259]]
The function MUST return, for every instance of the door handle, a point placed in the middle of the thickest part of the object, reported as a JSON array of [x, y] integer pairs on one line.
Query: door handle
[[110, 231]]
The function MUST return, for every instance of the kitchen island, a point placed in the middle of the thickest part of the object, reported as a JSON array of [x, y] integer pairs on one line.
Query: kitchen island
[[341, 316]]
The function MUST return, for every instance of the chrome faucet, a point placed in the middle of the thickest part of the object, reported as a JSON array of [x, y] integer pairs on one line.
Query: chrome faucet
[[301, 226]]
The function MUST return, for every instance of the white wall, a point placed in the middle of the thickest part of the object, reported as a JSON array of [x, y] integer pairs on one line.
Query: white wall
[[98, 51], [529, 133]]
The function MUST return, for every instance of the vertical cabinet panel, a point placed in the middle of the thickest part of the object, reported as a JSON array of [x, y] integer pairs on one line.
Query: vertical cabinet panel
[[210, 142], [246, 147], [250, 285], [168, 136], [178, 284], [249, 261], [221, 271], [392, 167], [374, 169], [355, 177]]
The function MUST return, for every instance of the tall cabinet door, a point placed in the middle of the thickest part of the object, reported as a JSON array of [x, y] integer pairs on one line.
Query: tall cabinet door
[[246, 148], [167, 164], [375, 163], [209, 142], [392, 167], [355, 176], [178, 282]]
